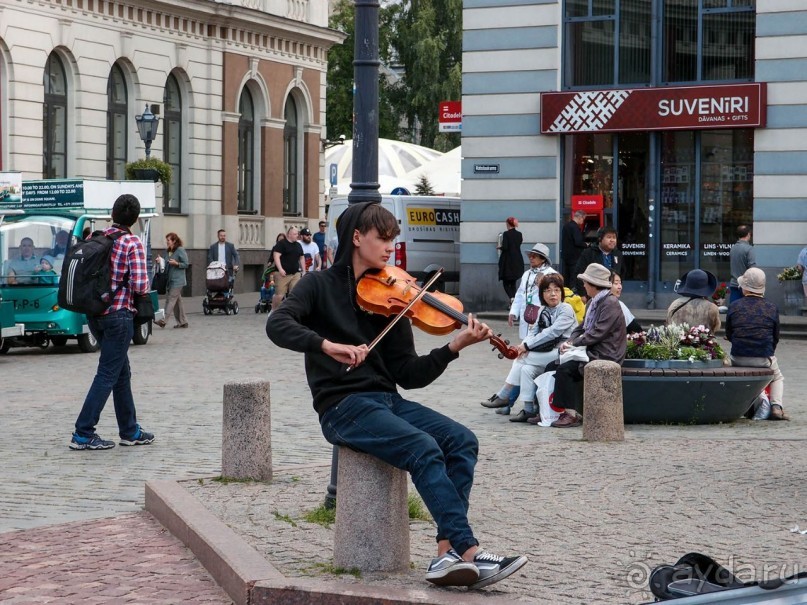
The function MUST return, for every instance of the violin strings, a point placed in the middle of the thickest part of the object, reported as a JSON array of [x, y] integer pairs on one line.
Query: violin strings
[[441, 306]]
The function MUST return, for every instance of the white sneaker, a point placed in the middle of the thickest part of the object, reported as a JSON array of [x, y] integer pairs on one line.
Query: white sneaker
[[493, 568], [450, 570]]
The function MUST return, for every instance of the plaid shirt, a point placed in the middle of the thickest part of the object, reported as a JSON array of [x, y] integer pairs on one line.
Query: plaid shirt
[[128, 257]]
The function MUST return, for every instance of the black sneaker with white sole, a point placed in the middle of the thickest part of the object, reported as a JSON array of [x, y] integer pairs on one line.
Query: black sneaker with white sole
[[93, 442], [450, 570], [141, 437], [493, 568]]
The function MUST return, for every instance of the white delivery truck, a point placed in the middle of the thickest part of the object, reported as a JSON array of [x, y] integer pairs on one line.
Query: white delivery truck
[[429, 238]]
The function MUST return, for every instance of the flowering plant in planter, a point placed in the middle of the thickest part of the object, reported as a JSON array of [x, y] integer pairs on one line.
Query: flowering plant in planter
[[720, 292], [675, 341], [788, 274]]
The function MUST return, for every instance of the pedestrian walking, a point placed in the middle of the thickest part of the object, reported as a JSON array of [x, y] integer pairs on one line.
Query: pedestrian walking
[[114, 330], [176, 265], [572, 244], [288, 258], [225, 252], [604, 252]]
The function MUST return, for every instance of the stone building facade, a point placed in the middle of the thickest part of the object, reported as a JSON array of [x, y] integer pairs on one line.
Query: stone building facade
[[240, 91]]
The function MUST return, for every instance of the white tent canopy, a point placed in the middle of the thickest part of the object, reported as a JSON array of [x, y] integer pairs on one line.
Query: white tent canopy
[[395, 161], [444, 173]]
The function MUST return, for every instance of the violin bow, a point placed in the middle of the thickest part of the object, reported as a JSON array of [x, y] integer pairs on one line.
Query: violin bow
[[397, 318]]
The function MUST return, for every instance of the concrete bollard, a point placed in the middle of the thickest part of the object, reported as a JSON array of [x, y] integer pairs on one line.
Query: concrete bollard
[[246, 436], [372, 515], [604, 419]]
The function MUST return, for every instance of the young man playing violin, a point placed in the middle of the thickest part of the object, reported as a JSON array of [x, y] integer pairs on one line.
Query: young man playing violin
[[362, 409]]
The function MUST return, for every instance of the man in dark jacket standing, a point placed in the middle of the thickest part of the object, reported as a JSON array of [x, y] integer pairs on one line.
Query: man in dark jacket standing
[[362, 409], [572, 244], [604, 252]]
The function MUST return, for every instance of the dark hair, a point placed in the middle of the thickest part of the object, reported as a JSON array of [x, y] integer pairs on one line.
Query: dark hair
[[221, 231], [549, 280], [603, 231], [743, 230], [126, 210], [26, 238], [176, 238], [382, 219], [280, 235]]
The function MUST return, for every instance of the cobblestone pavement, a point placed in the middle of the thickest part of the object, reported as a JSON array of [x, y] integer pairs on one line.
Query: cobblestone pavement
[[592, 517]]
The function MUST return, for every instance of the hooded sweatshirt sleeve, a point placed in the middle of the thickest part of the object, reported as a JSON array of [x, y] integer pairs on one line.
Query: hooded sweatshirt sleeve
[[284, 326]]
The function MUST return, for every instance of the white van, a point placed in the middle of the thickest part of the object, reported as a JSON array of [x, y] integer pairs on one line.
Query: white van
[[429, 239]]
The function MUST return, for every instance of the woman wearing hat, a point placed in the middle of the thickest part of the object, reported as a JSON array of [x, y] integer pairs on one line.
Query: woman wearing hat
[[693, 306], [602, 333], [527, 293], [752, 327]]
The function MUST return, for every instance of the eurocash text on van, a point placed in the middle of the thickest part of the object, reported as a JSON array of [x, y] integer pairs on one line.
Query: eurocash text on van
[[429, 239]]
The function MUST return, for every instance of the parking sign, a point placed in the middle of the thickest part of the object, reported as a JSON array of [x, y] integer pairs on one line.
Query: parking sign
[[333, 175]]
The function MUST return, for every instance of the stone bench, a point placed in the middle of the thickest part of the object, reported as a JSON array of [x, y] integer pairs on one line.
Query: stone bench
[[690, 396]]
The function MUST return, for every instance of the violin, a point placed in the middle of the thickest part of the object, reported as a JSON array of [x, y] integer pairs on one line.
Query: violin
[[391, 292]]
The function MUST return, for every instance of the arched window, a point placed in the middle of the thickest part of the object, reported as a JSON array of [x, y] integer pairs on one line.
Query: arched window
[[246, 152], [54, 120], [172, 144], [117, 112], [291, 196]]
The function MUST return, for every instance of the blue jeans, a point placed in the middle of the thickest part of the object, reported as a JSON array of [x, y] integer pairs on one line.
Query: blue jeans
[[439, 453], [114, 333]]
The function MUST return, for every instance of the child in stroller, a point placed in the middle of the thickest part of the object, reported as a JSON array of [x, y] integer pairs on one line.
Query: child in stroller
[[219, 285], [267, 289]]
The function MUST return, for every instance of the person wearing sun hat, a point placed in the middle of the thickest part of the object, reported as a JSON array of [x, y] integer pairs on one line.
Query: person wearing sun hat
[[752, 327], [693, 306], [602, 333], [527, 293]]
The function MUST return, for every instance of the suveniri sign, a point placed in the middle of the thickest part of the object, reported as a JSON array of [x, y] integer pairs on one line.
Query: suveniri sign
[[674, 108]]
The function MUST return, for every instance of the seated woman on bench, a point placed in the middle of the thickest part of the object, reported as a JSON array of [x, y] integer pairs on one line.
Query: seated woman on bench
[[362, 409]]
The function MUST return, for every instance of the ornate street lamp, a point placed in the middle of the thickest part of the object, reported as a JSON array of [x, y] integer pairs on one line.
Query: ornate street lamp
[[147, 127]]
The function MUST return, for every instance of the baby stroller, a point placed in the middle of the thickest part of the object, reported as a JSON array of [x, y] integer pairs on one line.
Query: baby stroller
[[267, 289], [219, 295]]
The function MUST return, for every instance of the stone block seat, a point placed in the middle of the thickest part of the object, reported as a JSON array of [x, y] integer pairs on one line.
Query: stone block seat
[[690, 396]]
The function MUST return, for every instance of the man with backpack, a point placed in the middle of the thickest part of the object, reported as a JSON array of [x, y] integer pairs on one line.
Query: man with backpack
[[113, 327]]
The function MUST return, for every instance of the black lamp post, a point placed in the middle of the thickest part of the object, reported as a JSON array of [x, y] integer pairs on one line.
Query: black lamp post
[[364, 187], [147, 127]]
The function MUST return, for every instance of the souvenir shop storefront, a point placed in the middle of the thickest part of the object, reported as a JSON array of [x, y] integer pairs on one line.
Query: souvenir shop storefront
[[671, 169]]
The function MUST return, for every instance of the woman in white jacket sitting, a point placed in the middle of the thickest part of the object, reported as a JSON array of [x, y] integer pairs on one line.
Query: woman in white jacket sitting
[[527, 292], [555, 323]]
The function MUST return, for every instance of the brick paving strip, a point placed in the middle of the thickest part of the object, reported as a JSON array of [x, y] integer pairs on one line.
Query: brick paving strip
[[125, 559]]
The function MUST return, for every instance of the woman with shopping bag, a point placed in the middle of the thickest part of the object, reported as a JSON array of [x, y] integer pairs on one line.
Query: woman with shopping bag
[[602, 335], [554, 324]]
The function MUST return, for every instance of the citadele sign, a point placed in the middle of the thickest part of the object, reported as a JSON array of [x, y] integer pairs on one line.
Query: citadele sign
[[674, 108], [450, 116]]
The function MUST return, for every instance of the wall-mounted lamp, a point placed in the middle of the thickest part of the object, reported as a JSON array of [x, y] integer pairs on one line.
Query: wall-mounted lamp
[[327, 143]]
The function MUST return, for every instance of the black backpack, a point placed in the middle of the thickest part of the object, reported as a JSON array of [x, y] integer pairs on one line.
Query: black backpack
[[86, 282]]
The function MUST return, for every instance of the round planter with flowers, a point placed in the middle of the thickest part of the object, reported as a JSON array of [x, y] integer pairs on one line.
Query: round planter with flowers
[[676, 374]]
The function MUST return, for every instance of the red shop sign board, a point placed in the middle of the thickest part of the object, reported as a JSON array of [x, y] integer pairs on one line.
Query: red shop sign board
[[588, 203], [449, 117], [673, 108]]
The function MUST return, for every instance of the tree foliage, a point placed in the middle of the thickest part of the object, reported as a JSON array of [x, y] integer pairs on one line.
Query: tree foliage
[[424, 186], [424, 39], [339, 110], [428, 45]]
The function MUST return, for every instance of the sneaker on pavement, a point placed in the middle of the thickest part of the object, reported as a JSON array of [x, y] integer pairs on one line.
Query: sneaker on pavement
[[140, 438], [450, 570], [89, 443], [494, 401], [493, 568]]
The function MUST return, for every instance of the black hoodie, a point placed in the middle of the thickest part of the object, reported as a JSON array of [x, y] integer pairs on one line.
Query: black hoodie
[[323, 306]]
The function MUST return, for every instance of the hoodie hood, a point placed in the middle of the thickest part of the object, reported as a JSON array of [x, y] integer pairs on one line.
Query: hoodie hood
[[345, 226]]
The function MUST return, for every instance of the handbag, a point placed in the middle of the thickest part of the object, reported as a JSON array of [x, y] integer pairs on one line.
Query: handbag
[[545, 393], [144, 308], [160, 282], [531, 313], [545, 321], [574, 354]]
